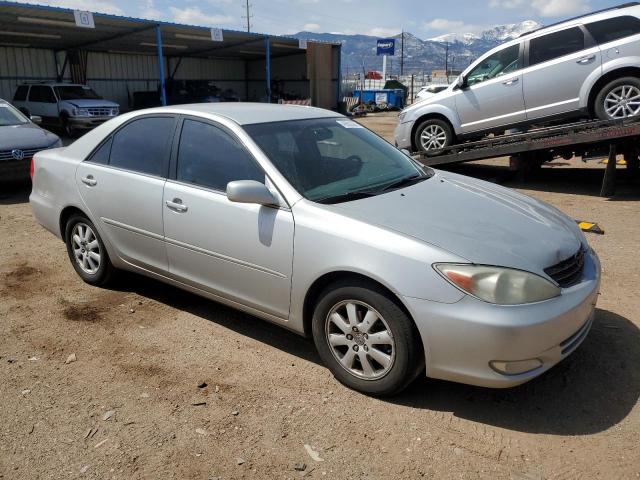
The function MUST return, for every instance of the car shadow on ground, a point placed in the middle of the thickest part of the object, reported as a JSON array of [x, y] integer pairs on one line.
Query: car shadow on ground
[[550, 178], [592, 390]]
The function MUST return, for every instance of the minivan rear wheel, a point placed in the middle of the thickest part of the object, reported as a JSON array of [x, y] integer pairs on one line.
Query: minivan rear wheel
[[432, 135], [619, 99], [367, 341]]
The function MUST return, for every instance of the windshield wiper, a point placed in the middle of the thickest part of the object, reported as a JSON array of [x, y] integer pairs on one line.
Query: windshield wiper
[[405, 182], [346, 197]]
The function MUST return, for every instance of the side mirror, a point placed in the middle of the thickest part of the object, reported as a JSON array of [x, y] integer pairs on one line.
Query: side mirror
[[406, 152], [461, 82], [250, 191], [36, 119]]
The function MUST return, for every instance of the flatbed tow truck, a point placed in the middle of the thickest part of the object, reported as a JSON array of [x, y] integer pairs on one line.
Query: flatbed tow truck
[[529, 150]]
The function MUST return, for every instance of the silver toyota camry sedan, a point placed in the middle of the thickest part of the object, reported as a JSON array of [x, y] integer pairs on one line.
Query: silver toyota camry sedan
[[306, 219]]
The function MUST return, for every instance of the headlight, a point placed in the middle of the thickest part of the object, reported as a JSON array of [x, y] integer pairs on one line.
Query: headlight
[[114, 112], [80, 112], [502, 286]]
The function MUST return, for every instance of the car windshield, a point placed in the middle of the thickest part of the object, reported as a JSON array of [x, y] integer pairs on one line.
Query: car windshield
[[76, 92], [331, 160], [10, 116]]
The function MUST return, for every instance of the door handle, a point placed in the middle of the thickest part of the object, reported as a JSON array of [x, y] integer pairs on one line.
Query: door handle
[[511, 82], [176, 204], [585, 60], [89, 180]]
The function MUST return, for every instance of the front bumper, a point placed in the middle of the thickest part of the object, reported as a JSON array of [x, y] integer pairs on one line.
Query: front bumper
[[402, 135], [88, 122], [461, 339]]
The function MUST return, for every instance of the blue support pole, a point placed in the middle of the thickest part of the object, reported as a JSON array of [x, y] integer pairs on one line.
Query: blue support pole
[[163, 90], [268, 66]]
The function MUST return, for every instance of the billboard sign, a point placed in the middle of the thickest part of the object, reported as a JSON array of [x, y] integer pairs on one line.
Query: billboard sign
[[386, 46]]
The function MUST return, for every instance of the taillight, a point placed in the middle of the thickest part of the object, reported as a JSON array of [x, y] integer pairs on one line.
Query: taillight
[[31, 168]]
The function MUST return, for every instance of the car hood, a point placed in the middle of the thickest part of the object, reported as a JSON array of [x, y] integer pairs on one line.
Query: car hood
[[479, 221], [25, 136], [85, 103]]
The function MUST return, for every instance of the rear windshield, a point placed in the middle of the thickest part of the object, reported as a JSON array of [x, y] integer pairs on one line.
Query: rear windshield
[[76, 92]]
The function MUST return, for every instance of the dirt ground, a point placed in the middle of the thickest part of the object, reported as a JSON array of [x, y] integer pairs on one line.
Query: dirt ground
[[147, 381]]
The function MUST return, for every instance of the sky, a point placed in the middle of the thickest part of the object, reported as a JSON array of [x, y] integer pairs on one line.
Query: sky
[[423, 18]]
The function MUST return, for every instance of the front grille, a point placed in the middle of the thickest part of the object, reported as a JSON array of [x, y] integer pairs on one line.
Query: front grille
[[100, 111], [27, 152], [568, 272]]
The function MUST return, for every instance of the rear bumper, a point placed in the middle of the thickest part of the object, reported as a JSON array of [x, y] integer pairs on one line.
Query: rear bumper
[[461, 339], [46, 213]]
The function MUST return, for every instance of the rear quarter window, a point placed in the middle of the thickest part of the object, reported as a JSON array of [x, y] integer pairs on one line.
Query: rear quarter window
[[21, 93], [613, 28]]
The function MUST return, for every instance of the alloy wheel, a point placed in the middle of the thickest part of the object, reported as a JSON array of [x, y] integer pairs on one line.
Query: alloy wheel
[[86, 248], [433, 137], [360, 339], [622, 102]]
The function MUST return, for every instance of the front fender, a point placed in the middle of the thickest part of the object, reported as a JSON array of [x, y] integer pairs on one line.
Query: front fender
[[435, 109]]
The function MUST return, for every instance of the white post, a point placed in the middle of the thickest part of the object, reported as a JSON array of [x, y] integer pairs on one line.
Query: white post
[[384, 68]]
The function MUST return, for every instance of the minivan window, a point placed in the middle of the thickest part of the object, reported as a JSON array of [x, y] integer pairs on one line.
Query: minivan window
[[143, 145], [41, 94], [555, 45], [613, 28], [500, 63], [210, 157], [21, 93]]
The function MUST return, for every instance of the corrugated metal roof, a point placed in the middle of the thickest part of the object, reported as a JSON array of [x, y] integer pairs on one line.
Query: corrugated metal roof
[[54, 28]]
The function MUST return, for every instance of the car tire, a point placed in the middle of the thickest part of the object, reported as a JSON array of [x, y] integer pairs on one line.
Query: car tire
[[87, 252], [390, 365], [608, 107], [432, 135], [68, 130]]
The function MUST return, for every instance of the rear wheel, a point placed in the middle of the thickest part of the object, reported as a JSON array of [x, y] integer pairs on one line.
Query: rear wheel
[[619, 99], [87, 252], [433, 135], [67, 128], [365, 339]]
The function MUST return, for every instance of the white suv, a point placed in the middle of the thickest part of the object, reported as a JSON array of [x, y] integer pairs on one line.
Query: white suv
[[70, 106], [584, 67]]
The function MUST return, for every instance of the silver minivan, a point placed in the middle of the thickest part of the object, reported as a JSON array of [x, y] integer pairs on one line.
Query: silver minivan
[[584, 67]]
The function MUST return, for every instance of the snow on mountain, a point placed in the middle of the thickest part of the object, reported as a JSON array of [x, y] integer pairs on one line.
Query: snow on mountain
[[500, 33]]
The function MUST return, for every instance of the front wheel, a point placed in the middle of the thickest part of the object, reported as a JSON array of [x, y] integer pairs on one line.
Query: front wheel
[[365, 339], [432, 135], [87, 252], [619, 99]]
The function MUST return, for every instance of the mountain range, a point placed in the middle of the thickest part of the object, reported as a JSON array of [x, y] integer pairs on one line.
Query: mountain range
[[421, 56]]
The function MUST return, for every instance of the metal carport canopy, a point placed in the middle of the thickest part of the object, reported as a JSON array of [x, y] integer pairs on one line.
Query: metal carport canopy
[[54, 28]]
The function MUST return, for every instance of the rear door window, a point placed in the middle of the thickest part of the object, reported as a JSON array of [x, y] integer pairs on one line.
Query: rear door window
[[613, 28], [555, 45], [143, 145], [42, 94]]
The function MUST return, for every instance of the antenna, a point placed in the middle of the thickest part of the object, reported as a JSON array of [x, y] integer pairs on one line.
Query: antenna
[[248, 16]]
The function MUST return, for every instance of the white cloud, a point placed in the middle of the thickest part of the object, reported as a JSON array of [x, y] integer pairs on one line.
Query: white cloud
[[311, 27], [195, 16], [453, 26], [104, 6], [383, 32], [545, 8]]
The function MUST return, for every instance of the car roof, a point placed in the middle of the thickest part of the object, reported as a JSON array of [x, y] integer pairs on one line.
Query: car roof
[[246, 113]]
